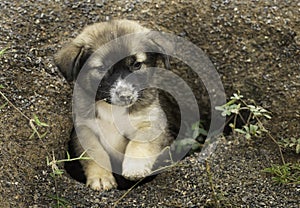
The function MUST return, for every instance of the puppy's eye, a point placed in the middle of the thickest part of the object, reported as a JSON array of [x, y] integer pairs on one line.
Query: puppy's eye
[[137, 65]]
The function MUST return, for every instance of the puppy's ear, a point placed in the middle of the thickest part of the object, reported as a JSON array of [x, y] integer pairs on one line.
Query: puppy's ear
[[70, 60]]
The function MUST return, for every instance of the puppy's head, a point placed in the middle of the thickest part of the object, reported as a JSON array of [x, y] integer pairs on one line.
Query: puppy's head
[[123, 67]]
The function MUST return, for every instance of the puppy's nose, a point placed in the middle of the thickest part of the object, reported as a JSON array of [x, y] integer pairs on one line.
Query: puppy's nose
[[125, 97]]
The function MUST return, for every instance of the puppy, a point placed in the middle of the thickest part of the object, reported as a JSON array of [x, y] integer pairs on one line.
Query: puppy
[[122, 125]]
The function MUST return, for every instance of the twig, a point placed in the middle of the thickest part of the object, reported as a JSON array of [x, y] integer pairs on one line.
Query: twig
[[214, 195], [153, 172], [31, 121], [80, 157], [274, 140], [268, 133], [31, 124], [12, 105]]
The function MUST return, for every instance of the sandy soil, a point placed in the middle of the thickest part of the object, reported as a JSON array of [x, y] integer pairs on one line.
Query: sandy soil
[[254, 45]]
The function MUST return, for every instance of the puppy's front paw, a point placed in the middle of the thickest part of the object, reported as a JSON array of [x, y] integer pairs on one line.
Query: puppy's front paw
[[97, 177], [101, 182], [135, 169]]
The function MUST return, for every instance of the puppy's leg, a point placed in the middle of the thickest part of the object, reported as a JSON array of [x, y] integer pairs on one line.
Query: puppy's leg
[[98, 178], [98, 169], [140, 157]]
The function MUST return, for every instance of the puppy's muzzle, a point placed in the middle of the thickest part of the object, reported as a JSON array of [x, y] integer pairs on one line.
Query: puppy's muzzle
[[125, 96], [123, 93]]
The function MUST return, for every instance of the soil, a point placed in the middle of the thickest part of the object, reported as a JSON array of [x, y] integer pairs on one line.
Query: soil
[[255, 47]]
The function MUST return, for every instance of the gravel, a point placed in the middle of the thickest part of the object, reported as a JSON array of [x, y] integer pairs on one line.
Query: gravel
[[254, 45]]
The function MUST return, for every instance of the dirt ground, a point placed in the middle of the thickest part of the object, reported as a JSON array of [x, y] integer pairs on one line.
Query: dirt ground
[[255, 47]]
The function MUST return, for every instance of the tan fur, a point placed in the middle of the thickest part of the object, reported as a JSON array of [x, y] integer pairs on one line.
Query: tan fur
[[133, 136], [90, 39]]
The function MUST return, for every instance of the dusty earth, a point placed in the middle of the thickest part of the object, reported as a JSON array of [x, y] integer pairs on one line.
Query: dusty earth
[[254, 45]]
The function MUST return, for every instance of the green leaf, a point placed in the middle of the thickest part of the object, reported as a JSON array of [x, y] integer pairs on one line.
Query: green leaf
[[196, 146], [236, 96], [246, 128], [44, 134], [68, 156], [195, 125], [219, 108], [291, 144], [1, 86], [183, 144], [38, 122], [195, 134], [32, 135], [253, 129], [252, 107], [257, 113], [61, 201], [202, 131], [230, 102], [267, 116], [2, 51], [235, 108], [248, 136], [231, 125], [3, 105], [226, 113], [57, 172], [298, 148], [224, 110], [240, 131]]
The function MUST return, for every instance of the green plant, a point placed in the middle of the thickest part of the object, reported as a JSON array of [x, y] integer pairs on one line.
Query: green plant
[[198, 130], [33, 122], [37, 125], [285, 174], [293, 143], [254, 127], [54, 163], [3, 105], [2, 51], [57, 172], [249, 131], [218, 198], [191, 141], [60, 201], [216, 201], [253, 123]]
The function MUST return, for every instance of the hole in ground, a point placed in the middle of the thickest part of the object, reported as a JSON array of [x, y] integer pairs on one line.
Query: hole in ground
[[75, 170]]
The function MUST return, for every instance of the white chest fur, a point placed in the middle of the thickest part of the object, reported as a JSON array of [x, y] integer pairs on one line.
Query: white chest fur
[[115, 127], [144, 125]]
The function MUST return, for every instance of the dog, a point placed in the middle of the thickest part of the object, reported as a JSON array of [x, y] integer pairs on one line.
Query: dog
[[126, 126]]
